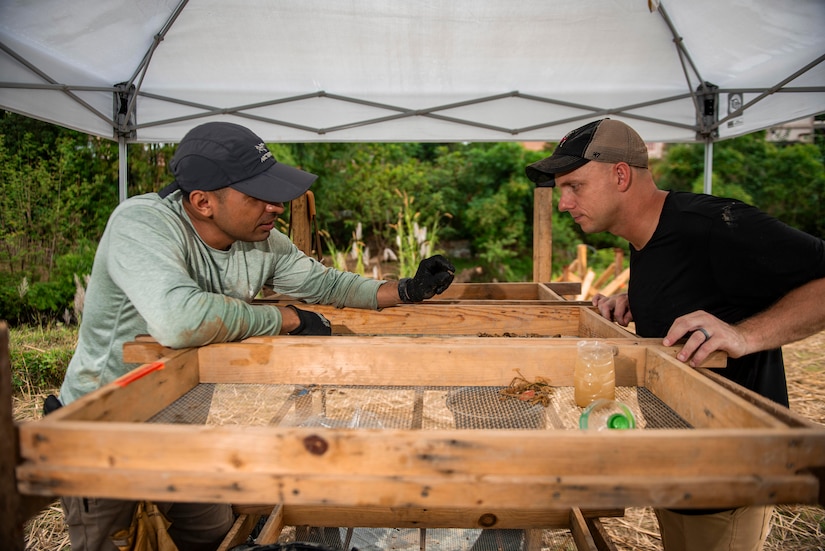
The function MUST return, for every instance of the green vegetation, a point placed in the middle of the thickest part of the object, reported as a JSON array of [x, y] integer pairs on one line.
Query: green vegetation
[[39, 356], [58, 188], [414, 242], [786, 181]]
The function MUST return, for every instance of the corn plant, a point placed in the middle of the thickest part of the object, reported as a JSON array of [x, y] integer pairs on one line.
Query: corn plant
[[356, 251], [414, 242]]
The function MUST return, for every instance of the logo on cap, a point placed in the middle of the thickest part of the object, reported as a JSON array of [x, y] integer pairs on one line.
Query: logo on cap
[[262, 148]]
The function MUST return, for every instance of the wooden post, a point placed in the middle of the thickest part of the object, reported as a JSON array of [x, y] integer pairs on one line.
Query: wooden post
[[619, 261], [15, 509], [300, 228], [581, 256], [542, 234]]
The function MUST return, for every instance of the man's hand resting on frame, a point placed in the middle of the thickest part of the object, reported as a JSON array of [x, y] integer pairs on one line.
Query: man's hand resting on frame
[[615, 308], [433, 277], [310, 323]]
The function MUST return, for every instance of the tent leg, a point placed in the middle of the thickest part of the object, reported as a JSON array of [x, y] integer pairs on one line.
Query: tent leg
[[122, 164], [708, 188]]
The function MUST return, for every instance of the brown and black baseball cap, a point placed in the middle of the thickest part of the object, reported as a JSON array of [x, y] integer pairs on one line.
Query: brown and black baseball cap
[[605, 141], [216, 155]]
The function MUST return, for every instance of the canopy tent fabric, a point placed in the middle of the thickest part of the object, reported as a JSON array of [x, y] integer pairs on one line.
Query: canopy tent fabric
[[442, 70]]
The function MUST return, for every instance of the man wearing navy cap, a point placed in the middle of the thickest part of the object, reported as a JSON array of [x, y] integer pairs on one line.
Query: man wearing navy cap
[[184, 265]]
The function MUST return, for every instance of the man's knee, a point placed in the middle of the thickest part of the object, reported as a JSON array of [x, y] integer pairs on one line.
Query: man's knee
[[92, 521], [198, 526], [742, 529]]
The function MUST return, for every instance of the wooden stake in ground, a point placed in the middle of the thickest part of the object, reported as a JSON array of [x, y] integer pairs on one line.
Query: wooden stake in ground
[[15, 509]]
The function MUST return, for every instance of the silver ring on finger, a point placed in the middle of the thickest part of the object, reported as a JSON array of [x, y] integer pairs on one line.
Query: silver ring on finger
[[705, 333]]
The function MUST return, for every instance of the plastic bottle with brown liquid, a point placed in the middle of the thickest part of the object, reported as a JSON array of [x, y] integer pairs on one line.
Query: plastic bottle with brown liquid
[[594, 375]]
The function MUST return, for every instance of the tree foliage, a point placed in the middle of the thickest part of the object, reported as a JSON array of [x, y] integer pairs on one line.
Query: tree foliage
[[785, 180], [58, 187]]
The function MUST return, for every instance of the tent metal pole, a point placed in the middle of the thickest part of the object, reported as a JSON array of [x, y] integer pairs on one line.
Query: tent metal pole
[[708, 187], [122, 174]]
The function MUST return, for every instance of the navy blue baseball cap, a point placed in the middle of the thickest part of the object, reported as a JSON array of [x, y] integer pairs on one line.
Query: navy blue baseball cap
[[216, 155]]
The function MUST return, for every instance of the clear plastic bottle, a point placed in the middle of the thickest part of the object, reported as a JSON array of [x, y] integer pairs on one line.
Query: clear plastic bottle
[[606, 415], [594, 375]]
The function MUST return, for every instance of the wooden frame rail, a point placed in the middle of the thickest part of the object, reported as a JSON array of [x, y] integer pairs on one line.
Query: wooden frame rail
[[98, 446]]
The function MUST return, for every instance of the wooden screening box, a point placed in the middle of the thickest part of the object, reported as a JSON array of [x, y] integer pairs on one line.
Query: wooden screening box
[[487, 319], [116, 442], [495, 293], [509, 291], [740, 451]]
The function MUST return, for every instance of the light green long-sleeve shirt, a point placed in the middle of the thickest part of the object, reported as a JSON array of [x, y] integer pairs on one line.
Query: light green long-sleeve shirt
[[153, 274]]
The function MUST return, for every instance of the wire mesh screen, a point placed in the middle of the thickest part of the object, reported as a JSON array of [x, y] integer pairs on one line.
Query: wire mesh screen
[[432, 539], [419, 407]]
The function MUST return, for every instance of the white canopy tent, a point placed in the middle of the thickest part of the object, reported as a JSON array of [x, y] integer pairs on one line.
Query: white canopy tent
[[442, 70]]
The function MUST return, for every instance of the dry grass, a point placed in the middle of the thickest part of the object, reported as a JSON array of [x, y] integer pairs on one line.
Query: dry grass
[[47, 531], [794, 528]]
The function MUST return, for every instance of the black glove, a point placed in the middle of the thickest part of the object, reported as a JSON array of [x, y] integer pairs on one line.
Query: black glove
[[51, 404], [433, 277], [311, 323]]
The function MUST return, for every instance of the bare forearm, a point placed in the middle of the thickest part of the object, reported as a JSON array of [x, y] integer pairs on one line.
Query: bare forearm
[[388, 294], [797, 315]]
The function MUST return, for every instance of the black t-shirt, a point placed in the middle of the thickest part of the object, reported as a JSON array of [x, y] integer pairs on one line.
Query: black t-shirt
[[729, 259]]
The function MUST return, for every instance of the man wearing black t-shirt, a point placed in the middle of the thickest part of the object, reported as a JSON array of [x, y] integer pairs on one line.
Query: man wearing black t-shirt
[[722, 273]]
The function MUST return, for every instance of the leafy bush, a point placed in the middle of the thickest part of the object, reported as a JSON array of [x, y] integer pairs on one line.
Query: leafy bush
[[785, 180], [12, 304], [39, 356], [58, 187], [45, 298], [25, 299]]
